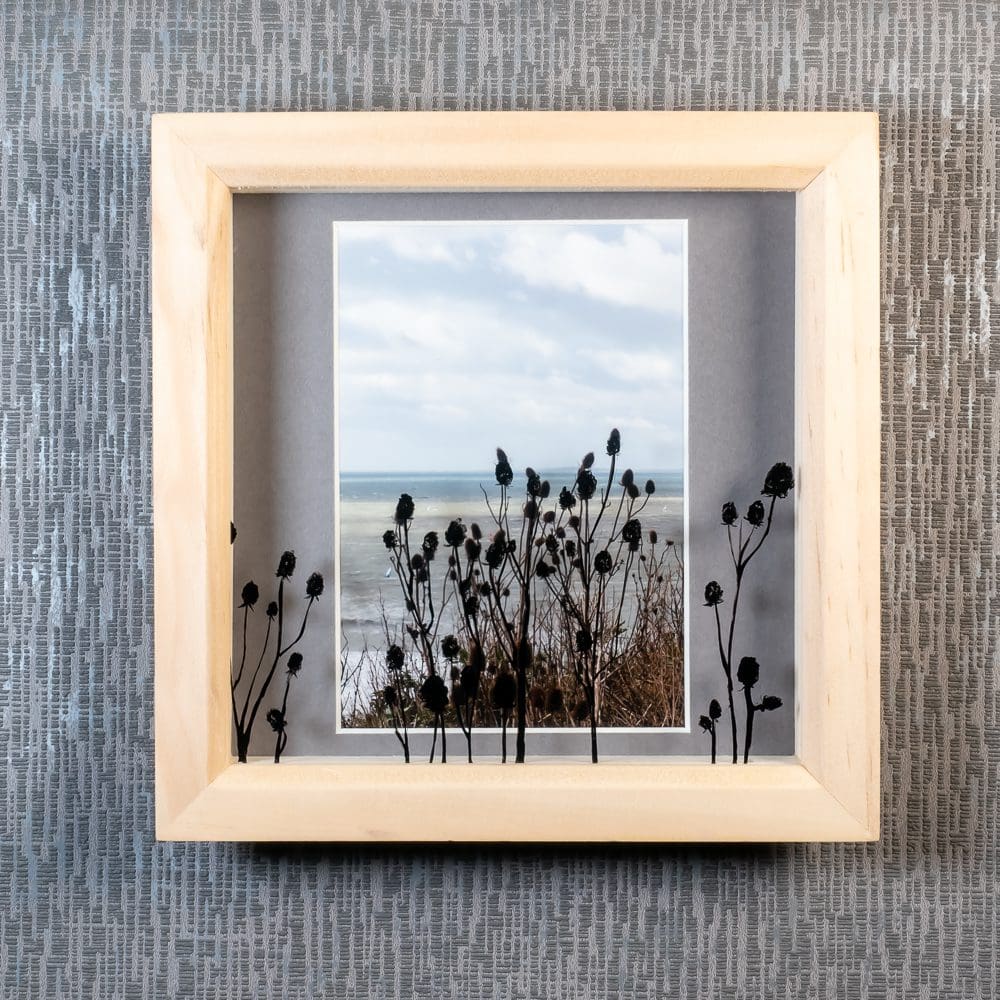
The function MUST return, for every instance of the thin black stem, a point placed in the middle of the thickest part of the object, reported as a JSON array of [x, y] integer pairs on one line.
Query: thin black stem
[[751, 710], [742, 561], [302, 630], [726, 666], [466, 727], [237, 722], [713, 742], [732, 549], [402, 713], [767, 531], [403, 736], [606, 495], [243, 658], [593, 731], [277, 656], [279, 744], [523, 645], [253, 679]]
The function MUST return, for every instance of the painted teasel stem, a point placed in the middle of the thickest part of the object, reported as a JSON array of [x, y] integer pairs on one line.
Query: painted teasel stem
[[707, 722], [585, 551], [503, 697], [434, 694], [244, 718], [278, 717], [742, 548], [413, 571], [393, 696], [748, 673], [479, 595], [523, 656], [465, 684], [584, 568], [511, 561]]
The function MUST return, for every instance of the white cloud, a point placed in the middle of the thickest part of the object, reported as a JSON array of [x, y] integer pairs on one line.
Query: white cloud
[[453, 245], [639, 265], [441, 327], [637, 270], [635, 366], [440, 363], [548, 412]]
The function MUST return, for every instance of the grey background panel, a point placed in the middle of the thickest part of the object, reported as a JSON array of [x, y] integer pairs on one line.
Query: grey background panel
[[91, 904], [741, 291]]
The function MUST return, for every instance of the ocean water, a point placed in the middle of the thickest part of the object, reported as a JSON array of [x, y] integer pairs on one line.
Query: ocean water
[[367, 503]]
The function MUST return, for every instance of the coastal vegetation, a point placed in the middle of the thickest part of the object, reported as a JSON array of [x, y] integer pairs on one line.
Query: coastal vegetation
[[546, 608]]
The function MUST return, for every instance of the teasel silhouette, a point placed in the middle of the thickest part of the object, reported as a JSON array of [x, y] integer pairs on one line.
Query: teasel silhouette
[[503, 697], [537, 490], [434, 695], [465, 683], [778, 483], [504, 554], [394, 697], [414, 572], [582, 570], [748, 673], [586, 546], [278, 717], [507, 562], [244, 718], [473, 597], [707, 722]]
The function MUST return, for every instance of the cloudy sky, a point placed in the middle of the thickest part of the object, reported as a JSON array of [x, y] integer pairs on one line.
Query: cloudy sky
[[538, 337]]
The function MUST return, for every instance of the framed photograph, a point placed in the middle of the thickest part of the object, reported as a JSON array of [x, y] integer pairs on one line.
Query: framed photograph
[[516, 476]]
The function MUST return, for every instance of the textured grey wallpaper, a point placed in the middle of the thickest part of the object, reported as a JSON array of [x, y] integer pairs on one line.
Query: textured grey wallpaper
[[91, 906]]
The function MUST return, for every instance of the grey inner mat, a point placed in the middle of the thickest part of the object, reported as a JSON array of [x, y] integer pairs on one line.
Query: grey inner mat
[[741, 284]]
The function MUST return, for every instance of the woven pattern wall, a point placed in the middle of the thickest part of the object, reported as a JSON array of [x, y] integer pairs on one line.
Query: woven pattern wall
[[91, 906]]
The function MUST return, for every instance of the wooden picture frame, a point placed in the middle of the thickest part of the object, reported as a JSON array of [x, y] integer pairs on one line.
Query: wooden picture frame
[[830, 790]]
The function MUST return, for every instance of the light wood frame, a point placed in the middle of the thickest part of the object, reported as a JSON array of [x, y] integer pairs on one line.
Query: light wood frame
[[830, 790]]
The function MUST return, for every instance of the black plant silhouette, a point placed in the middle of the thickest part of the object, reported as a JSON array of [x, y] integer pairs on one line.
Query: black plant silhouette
[[278, 717], [748, 673], [503, 697], [414, 571], [588, 573], [778, 482], [465, 683], [560, 576], [434, 694], [253, 695], [707, 722], [395, 699]]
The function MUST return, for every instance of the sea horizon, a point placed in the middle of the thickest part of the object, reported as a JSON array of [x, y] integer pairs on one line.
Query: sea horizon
[[458, 486]]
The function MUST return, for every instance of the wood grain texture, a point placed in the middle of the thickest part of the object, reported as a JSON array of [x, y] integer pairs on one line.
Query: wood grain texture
[[525, 150], [544, 803], [837, 403], [837, 571], [192, 462], [91, 903]]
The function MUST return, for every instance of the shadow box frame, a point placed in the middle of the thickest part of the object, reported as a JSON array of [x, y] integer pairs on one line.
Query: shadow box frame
[[829, 791]]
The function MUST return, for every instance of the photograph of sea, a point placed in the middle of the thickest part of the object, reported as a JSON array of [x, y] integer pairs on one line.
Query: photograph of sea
[[540, 579]]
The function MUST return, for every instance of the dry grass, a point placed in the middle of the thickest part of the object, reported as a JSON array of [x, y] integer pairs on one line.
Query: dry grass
[[643, 687]]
